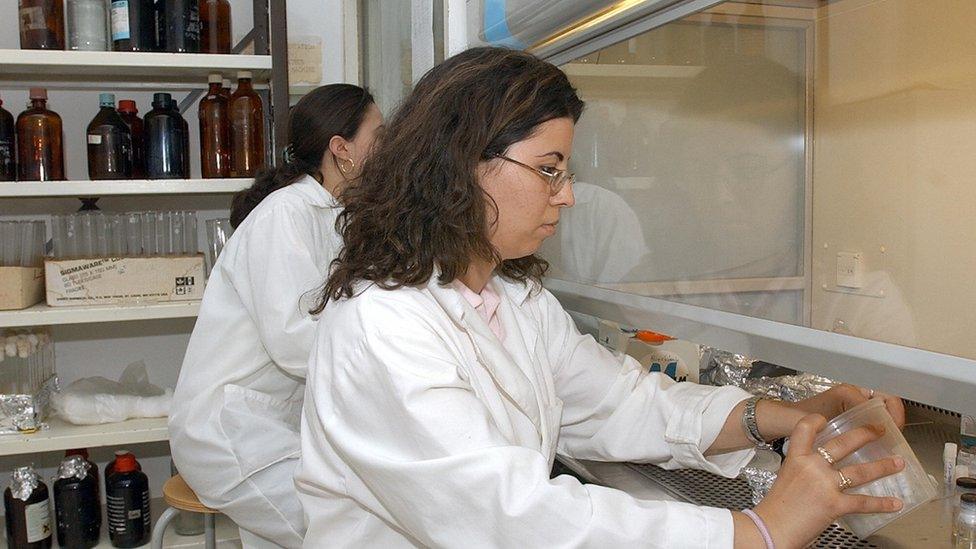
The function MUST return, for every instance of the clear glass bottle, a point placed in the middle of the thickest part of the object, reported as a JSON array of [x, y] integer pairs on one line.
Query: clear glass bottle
[[109, 143], [166, 140], [182, 26], [214, 131], [87, 28], [8, 146], [133, 25], [964, 526], [130, 114], [41, 24], [246, 128], [40, 141], [215, 26]]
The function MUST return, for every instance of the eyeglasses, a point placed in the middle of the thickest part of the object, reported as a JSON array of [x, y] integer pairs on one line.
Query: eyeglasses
[[556, 178]]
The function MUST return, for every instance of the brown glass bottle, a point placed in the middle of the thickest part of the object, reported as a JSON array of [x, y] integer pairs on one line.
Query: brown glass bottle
[[109, 143], [40, 149], [41, 24], [8, 146], [246, 128], [214, 131], [215, 35], [129, 114], [225, 90], [28, 521]]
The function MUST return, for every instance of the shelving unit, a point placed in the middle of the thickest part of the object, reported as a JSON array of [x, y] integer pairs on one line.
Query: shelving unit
[[60, 436], [43, 315], [19, 65], [145, 187]]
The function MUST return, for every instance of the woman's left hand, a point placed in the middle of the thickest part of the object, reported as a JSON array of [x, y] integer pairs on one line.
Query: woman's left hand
[[839, 399]]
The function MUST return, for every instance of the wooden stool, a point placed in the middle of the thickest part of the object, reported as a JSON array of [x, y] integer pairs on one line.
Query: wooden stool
[[180, 497]]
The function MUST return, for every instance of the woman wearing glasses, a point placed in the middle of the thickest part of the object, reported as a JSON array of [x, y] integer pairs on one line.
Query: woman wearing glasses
[[443, 379]]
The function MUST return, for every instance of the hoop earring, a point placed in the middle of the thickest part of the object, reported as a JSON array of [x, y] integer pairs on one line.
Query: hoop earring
[[344, 170]]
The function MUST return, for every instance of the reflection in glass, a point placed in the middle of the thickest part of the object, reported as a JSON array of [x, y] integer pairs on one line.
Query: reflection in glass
[[738, 158]]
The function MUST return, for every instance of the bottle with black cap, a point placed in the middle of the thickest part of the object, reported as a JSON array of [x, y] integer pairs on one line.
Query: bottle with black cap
[[167, 140]]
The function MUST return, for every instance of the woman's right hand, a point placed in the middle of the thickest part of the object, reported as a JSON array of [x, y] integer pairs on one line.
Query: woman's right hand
[[807, 497]]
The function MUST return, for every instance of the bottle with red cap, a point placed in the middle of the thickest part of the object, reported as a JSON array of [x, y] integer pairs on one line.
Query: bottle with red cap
[[127, 500], [40, 148], [8, 147], [129, 114]]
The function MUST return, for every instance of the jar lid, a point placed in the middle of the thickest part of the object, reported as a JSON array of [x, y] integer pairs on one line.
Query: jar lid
[[126, 463], [244, 75], [106, 99], [969, 483], [968, 501], [38, 93], [128, 106]]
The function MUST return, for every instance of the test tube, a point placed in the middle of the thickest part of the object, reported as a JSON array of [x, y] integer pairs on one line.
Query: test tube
[[163, 232], [71, 244], [190, 244], [176, 233], [117, 242], [86, 236], [100, 230], [133, 234], [149, 234], [12, 243]]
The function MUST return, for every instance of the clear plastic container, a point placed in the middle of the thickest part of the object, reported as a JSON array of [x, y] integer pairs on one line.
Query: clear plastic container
[[912, 485]]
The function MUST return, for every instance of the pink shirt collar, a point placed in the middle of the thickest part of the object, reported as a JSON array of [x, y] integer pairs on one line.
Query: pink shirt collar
[[486, 304]]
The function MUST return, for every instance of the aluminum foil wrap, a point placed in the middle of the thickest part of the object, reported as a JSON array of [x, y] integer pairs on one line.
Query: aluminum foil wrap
[[26, 413], [718, 367], [74, 467], [788, 388], [760, 480], [23, 481]]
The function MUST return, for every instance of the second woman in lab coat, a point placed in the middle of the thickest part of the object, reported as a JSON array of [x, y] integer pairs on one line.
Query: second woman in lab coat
[[444, 380], [234, 426]]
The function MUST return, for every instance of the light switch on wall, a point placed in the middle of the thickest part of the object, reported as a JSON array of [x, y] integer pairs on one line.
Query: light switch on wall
[[850, 269]]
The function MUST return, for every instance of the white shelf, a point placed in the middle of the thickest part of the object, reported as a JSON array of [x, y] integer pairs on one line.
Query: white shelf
[[35, 189], [68, 66], [42, 315], [63, 436], [631, 71]]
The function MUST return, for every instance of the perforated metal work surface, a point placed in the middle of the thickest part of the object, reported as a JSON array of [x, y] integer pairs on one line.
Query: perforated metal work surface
[[704, 488]]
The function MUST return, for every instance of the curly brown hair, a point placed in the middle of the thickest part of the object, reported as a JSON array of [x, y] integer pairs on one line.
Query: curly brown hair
[[418, 203]]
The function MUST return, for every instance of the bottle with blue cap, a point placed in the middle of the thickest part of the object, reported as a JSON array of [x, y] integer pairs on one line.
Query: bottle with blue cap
[[109, 143]]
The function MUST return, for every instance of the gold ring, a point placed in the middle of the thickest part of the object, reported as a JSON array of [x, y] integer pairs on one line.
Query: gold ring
[[845, 482], [825, 454]]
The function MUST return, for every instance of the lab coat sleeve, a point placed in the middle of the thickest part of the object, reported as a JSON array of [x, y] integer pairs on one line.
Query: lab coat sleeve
[[428, 459], [616, 410], [278, 269]]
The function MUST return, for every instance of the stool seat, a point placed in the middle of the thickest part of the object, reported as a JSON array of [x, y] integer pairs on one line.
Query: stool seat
[[179, 495]]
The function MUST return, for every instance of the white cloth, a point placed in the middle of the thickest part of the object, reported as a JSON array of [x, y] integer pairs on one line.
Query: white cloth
[[420, 428], [238, 399]]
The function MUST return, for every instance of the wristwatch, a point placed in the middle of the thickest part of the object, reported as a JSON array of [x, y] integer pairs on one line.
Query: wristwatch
[[751, 427]]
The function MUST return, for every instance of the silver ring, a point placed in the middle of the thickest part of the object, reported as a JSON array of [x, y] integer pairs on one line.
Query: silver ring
[[871, 395], [825, 454], [845, 482]]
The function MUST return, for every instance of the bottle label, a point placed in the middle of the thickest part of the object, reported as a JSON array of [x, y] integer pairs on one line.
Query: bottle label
[[32, 18], [94, 139], [120, 20], [38, 521]]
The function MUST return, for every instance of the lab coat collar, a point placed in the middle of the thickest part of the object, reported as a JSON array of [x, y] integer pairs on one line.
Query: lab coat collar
[[314, 193], [491, 353]]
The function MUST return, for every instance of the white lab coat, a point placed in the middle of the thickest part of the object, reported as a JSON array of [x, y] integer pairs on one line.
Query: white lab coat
[[234, 427], [420, 428]]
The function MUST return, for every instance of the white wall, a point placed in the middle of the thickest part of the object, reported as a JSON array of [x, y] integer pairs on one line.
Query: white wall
[[894, 165]]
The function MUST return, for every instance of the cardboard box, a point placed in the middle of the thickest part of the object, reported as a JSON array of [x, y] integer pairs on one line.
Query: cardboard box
[[21, 287], [124, 280]]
